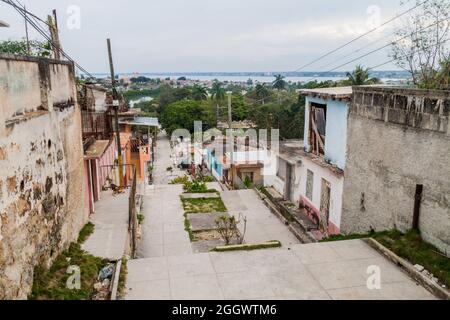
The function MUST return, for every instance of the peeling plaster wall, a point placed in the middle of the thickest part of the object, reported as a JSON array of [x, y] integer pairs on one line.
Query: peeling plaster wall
[[398, 139], [42, 205]]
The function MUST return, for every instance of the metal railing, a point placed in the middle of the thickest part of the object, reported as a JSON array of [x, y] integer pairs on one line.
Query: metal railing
[[96, 124], [133, 223]]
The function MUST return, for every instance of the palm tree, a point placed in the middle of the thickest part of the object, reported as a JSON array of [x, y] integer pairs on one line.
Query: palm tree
[[361, 76], [261, 92], [199, 93], [217, 91], [279, 83], [217, 94]]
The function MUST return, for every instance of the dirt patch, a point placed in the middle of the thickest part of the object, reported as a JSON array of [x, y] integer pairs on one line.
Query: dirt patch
[[206, 235]]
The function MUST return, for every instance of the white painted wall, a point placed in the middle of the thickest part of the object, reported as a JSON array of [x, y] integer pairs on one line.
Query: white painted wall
[[337, 185]]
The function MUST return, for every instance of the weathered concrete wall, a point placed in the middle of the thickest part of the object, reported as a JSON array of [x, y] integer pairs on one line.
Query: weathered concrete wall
[[398, 139], [41, 169]]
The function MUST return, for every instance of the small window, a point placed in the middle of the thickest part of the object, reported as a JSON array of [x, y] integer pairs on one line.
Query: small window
[[310, 185], [317, 128]]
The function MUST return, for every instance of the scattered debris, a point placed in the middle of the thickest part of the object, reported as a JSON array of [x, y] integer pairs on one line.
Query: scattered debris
[[103, 286], [106, 272]]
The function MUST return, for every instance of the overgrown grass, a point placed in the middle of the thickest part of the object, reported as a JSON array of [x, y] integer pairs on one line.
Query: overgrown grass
[[51, 284], [86, 232], [123, 277], [202, 205], [411, 247]]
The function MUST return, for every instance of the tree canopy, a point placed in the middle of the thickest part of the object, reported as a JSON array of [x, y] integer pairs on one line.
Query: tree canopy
[[20, 47], [424, 49], [183, 114], [360, 76]]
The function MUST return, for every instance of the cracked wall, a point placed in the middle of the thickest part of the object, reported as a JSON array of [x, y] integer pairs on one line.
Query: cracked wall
[[41, 170]]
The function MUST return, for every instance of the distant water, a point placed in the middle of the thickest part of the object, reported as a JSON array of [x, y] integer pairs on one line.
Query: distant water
[[261, 79], [244, 78]]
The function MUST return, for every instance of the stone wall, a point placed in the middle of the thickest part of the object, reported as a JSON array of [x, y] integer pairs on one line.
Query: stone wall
[[41, 168], [398, 139]]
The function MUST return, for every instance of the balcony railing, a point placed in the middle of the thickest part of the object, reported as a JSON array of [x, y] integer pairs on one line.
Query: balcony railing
[[96, 124]]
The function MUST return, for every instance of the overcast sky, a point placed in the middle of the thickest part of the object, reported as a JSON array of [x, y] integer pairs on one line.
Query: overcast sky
[[207, 35]]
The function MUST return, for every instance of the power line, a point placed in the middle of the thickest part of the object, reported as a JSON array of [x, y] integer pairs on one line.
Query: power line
[[24, 13], [406, 55], [381, 48], [361, 36]]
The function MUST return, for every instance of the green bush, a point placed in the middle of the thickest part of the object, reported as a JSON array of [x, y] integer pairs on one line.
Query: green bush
[[196, 186], [180, 180]]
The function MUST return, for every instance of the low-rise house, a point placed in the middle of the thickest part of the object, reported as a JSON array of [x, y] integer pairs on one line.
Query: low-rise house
[[398, 163], [42, 207], [139, 134], [248, 165], [99, 143], [311, 173], [323, 167]]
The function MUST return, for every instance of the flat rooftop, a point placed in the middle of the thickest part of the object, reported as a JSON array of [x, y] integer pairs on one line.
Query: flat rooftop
[[140, 121], [97, 149], [292, 151], [334, 93]]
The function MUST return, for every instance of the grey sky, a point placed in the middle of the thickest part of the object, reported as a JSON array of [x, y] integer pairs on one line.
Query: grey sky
[[206, 35]]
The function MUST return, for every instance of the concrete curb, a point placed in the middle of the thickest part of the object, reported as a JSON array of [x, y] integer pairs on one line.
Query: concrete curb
[[115, 283], [434, 288], [303, 238], [249, 247]]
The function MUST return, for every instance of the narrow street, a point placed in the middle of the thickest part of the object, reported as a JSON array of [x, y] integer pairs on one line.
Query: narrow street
[[168, 268]]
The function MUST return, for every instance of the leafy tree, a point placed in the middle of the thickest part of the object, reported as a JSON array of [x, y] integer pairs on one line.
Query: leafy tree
[[424, 47], [261, 92], [360, 76], [181, 93], [149, 109], [240, 109], [287, 117], [199, 93], [140, 79], [183, 114], [279, 83], [217, 91], [37, 48], [443, 75]]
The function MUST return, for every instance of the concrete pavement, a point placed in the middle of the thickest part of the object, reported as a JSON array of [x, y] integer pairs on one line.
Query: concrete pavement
[[169, 269], [312, 271], [111, 227]]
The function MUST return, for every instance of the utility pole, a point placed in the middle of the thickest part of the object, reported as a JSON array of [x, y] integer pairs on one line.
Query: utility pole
[[231, 138], [26, 31], [54, 34], [217, 115], [116, 112]]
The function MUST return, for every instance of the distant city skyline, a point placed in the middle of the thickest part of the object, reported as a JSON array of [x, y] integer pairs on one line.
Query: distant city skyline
[[201, 36]]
